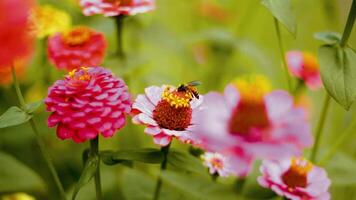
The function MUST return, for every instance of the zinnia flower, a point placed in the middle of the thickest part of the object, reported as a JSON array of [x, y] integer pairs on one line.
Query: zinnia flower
[[15, 41], [167, 113], [295, 179], [47, 20], [217, 164], [304, 66], [80, 46], [116, 7], [87, 102], [248, 121]]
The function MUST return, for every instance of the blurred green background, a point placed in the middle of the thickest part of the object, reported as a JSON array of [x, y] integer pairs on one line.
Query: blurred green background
[[213, 41]]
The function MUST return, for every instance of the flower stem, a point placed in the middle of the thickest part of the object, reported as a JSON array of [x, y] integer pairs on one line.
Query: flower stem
[[349, 130], [239, 185], [320, 126], [165, 151], [94, 148], [349, 24], [281, 51], [39, 139], [119, 20]]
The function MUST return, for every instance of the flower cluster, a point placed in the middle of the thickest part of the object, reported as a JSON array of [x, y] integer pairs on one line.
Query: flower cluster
[[89, 101]]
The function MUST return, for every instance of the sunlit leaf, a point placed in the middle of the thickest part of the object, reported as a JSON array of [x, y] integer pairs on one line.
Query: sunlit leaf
[[328, 37], [282, 11], [90, 167], [148, 155], [15, 176], [338, 72], [13, 116]]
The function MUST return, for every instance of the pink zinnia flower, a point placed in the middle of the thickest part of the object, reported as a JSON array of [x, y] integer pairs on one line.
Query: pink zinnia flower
[[304, 66], [116, 7], [217, 164], [247, 121], [80, 46], [87, 102], [167, 113], [296, 179]]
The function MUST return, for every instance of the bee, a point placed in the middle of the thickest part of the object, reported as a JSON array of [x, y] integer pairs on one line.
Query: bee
[[190, 88]]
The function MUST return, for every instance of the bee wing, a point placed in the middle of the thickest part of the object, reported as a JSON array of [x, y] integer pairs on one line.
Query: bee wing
[[194, 83]]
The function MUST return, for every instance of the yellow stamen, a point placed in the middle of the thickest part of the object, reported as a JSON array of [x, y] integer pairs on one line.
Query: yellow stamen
[[176, 99], [253, 87], [77, 35], [301, 166]]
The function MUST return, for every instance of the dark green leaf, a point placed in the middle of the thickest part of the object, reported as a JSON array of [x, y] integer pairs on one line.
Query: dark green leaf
[[282, 11], [328, 37], [181, 161], [32, 107], [13, 116], [15, 176], [147, 155], [338, 72], [89, 170]]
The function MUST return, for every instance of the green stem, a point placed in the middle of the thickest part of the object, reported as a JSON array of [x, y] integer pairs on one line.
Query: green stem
[[94, 148], [239, 185], [349, 130], [349, 24], [165, 151], [281, 51], [119, 20], [39, 139], [320, 126]]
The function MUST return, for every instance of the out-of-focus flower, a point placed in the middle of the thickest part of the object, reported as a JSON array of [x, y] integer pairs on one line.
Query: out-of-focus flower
[[217, 164], [15, 41], [248, 121], [87, 102], [304, 66], [80, 46], [47, 20], [116, 7], [167, 113], [214, 11], [296, 179], [6, 74], [18, 196]]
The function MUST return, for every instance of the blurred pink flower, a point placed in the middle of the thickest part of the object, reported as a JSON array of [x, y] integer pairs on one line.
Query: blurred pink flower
[[87, 102], [247, 122], [217, 164], [304, 66], [15, 40], [116, 7], [296, 179], [80, 46], [167, 113]]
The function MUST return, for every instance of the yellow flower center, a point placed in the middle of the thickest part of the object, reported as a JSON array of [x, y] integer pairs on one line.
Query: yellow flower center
[[217, 163], [81, 75], [296, 175], [77, 36], [177, 99], [253, 88], [310, 62]]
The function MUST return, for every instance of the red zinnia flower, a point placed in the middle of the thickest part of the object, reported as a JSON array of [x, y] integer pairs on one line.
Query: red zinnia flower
[[15, 41], [80, 46], [87, 102]]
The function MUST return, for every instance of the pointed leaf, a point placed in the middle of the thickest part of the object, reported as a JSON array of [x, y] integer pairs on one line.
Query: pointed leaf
[[15, 176], [32, 107], [13, 116], [181, 161], [90, 167], [328, 37], [338, 72], [147, 155], [282, 11]]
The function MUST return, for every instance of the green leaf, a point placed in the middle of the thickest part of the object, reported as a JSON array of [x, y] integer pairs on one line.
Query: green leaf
[[282, 11], [181, 161], [32, 107], [90, 167], [328, 37], [13, 116], [338, 72], [341, 170], [15, 176], [147, 155]]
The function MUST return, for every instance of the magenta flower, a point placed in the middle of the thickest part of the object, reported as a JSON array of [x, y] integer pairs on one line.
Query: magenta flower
[[167, 113], [116, 7], [304, 66], [87, 102], [296, 179], [247, 122], [217, 164]]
